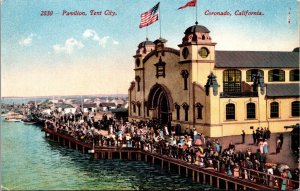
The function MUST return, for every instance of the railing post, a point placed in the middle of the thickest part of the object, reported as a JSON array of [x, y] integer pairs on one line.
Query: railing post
[[179, 170], [204, 178], [169, 166], [226, 184], [210, 180], [193, 175], [186, 172], [120, 155], [70, 144], [162, 163], [218, 182], [198, 176], [95, 155]]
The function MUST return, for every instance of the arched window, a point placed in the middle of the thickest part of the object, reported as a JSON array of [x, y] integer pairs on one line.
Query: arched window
[[133, 107], [232, 80], [251, 73], [185, 106], [250, 110], [138, 104], [177, 107], [199, 108], [295, 108], [230, 111], [274, 109], [138, 80], [276, 75], [294, 75], [146, 109], [185, 75]]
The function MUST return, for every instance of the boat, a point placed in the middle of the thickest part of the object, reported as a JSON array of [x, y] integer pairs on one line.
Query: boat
[[13, 117], [28, 122]]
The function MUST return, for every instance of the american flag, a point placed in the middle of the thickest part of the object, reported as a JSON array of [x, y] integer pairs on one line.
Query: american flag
[[149, 17]]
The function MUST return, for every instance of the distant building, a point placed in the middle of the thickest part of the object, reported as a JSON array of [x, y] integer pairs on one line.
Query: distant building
[[66, 108], [89, 107], [219, 93], [107, 106]]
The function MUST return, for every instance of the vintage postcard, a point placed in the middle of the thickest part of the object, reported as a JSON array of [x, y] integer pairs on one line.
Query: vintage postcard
[[150, 95]]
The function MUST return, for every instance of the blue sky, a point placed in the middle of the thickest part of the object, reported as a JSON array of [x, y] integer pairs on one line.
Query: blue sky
[[65, 55]]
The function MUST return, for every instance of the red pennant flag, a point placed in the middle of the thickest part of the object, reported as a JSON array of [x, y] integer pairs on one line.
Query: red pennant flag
[[191, 3]]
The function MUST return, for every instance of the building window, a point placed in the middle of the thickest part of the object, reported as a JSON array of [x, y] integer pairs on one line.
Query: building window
[[232, 81], [138, 80], [137, 62], [230, 111], [204, 52], [177, 107], [146, 110], [274, 109], [251, 111], [295, 108], [133, 107], [185, 106], [251, 73], [185, 75], [294, 75], [138, 104], [160, 68], [276, 76], [199, 108]]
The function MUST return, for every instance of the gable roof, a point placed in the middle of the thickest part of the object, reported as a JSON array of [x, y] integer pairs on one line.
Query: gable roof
[[89, 105], [256, 59], [283, 90], [107, 105]]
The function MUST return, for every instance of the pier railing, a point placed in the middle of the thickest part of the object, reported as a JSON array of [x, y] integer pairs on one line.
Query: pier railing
[[255, 180]]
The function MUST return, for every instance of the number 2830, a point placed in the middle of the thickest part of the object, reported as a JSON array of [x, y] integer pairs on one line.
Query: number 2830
[[46, 13]]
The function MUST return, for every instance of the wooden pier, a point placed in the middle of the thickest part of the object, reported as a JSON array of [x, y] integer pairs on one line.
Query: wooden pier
[[197, 174]]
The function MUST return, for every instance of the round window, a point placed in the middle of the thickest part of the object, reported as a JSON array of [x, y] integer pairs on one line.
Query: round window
[[204, 52]]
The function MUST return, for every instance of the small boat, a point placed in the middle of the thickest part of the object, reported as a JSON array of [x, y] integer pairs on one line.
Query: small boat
[[12, 119], [29, 122]]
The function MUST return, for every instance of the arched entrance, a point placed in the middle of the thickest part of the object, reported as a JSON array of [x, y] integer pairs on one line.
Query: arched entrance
[[161, 103]]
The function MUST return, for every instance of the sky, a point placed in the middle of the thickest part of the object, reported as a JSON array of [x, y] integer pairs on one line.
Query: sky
[[89, 55]]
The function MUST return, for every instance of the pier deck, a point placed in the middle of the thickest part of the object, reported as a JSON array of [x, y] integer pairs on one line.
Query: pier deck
[[196, 173]]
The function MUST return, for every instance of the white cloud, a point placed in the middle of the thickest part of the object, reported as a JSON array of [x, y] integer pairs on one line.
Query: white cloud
[[115, 42], [102, 41], [26, 41], [68, 47]]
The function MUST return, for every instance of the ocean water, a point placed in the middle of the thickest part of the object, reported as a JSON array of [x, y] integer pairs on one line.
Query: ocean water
[[32, 162]]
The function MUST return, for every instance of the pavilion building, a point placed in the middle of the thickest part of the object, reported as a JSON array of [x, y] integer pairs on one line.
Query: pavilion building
[[220, 93]]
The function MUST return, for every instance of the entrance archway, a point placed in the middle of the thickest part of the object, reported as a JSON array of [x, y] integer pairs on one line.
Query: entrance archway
[[161, 103]]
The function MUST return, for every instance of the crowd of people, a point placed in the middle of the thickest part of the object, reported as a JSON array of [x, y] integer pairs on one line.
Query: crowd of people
[[190, 146]]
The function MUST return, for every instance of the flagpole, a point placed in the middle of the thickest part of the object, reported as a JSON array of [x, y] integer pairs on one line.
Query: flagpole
[[159, 21], [146, 32], [196, 13]]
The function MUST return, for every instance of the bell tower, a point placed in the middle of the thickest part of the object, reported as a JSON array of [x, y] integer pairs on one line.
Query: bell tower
[[198, 50], [144, 48]]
